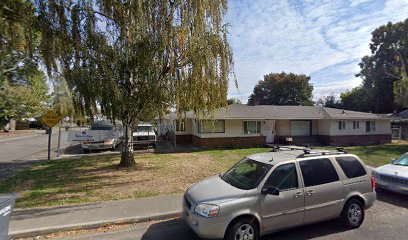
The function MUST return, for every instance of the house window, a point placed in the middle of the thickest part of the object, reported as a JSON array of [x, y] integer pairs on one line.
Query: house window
[[342, 125], [300, 128], [181, 125], [356, 125], [208, 126], [251, 127], [370, 126]]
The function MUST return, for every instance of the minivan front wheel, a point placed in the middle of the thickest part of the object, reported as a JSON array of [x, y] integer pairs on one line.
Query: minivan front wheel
[[353, 214], [243, 229]]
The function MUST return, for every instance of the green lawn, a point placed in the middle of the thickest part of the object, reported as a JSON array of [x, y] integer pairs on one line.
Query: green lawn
[[92, 179], [380, 154]]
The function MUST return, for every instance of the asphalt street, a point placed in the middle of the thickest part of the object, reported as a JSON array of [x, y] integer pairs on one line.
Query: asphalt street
[[19, 153], [386, 220]]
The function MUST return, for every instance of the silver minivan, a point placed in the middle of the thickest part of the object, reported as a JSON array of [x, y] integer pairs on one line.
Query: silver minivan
[[281, 189]]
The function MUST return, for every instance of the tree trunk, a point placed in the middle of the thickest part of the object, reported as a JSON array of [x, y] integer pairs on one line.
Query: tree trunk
[[127, 159]]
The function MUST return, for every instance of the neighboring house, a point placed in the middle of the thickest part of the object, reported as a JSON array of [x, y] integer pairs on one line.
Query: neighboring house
[[242, 125], [399, 124]]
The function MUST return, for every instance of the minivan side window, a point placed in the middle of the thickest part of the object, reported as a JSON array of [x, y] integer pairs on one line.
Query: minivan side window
[[351, 167], [318, 171], [284, 177]]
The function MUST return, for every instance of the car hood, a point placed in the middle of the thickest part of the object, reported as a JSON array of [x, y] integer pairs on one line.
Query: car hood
[[151, 133], [393, 170], [214, 190]]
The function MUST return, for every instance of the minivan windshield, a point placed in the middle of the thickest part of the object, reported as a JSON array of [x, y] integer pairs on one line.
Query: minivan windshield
[[247, 174], [402, 161]]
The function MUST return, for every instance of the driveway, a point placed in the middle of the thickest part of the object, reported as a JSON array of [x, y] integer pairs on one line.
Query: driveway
[[19, 153]]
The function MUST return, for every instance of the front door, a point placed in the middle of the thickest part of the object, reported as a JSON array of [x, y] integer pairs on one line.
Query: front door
[[324, 191], [269, 131], [286, 208]]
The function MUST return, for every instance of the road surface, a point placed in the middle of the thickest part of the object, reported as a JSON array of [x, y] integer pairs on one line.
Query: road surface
[[19, 153], [386, 220]]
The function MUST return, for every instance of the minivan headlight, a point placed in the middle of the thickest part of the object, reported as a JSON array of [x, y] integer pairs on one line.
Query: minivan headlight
[[207, 210]]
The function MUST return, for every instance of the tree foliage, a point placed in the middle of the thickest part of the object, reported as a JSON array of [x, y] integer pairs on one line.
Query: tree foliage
[[385, 86], [231, 101], [137, 59], [26, 98], [329, 101], [282, 89], [18, 37], [23, 87]]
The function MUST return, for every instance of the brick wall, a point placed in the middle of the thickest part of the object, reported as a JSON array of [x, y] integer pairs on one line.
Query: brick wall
[[357, 140], [183, 139], [345, 140], [228, 141]]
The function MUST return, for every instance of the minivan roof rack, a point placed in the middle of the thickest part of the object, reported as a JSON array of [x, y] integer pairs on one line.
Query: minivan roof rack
[[287, 148], [308, 153]]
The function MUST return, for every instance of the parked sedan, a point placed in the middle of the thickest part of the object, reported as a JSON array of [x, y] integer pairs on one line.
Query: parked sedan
[[393, 176]]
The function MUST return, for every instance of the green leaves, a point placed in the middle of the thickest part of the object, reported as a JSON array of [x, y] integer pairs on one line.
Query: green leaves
[[136, 60], [282, 89], [384, 88]]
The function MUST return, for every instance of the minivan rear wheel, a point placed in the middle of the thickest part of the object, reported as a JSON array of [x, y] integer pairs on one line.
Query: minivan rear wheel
[[353, 214], [243, 229]]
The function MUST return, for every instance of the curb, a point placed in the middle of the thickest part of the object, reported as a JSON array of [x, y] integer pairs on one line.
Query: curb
[[92, 225]]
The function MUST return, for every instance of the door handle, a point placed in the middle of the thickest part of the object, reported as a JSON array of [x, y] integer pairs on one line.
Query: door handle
[[309, 192], [298, 194]]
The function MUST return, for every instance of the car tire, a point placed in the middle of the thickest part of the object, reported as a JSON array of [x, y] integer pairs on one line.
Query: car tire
[[242, 227], [353, 214]]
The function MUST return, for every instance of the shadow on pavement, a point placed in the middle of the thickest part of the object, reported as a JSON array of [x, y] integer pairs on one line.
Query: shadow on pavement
[[396, 199], [176, 229], [9, 169]]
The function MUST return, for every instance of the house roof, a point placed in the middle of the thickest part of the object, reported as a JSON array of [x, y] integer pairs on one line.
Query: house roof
[[241, 111]]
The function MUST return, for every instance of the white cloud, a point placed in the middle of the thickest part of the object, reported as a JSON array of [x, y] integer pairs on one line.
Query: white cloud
[[324, 39]]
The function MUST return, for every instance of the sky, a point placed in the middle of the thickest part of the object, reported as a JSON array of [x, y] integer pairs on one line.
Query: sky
[[324, 39]]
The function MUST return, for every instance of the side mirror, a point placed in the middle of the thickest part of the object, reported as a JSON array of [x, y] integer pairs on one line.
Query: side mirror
[[270, 190], [392, 160]]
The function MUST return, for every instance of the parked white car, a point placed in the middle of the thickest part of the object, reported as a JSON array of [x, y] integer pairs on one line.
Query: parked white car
[[101, 136], [144, 134], [393, 176]]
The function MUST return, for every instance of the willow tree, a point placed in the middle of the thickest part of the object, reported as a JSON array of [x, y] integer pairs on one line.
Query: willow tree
[[138, 59]]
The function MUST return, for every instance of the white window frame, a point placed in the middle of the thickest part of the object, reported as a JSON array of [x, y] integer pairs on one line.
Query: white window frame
[[372, 126], [209, 122], [245, 123], [356, 124], [341, 125]]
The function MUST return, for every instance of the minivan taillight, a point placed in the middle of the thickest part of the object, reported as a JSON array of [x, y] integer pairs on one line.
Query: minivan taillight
[[372, 183]]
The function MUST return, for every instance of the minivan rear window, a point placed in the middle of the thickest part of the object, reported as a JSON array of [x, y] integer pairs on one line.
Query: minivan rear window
[[351, 167], [318, 171]]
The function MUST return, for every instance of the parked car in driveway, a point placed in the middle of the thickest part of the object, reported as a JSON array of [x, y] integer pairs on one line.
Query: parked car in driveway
[[267, 192], [393, 176], [144, 134], [101, 136]]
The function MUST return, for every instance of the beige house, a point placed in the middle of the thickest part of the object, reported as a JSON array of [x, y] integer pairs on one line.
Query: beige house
[[242, 125]]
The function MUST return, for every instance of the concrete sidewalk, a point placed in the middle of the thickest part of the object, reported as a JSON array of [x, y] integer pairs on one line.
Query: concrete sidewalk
[[34, 222]]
